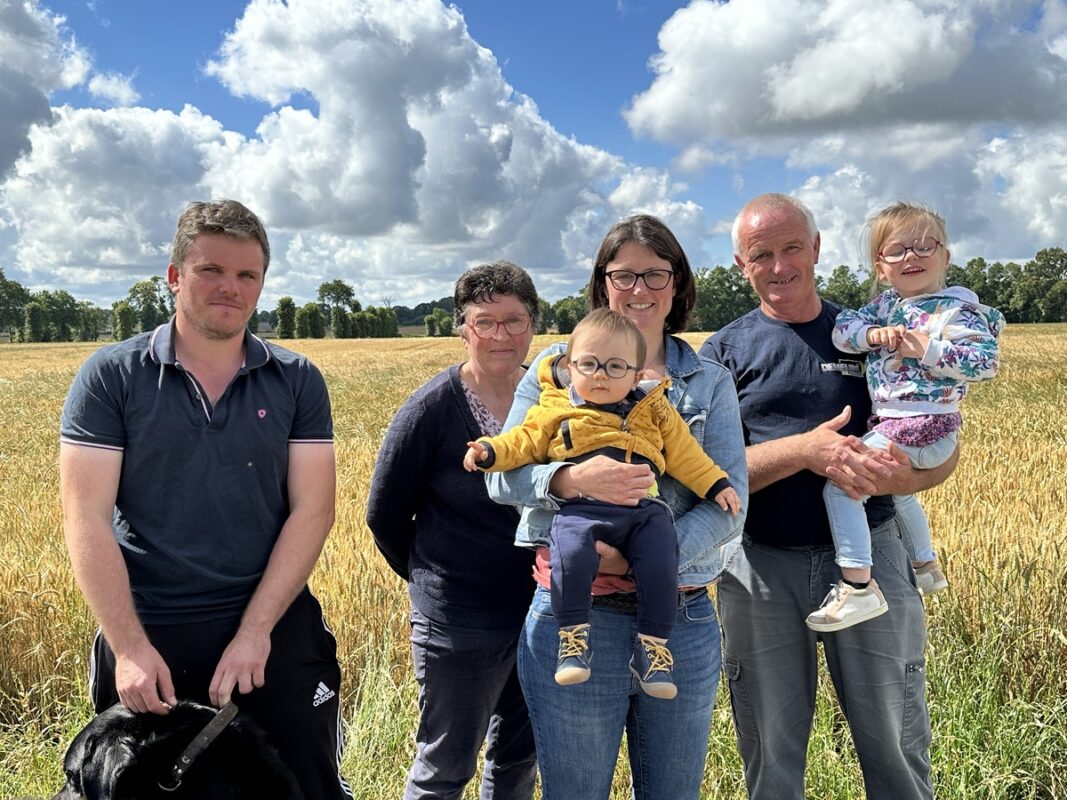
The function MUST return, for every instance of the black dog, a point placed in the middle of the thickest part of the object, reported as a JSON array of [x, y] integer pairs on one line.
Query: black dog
[[122, 755]]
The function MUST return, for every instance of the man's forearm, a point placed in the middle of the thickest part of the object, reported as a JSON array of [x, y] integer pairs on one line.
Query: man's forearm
[[104, 582], [291, 563], [770, 462]]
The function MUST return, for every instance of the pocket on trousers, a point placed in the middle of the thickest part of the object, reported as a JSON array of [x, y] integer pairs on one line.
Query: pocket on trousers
[[744, 719], [698, 608], [541, 606], [915, 731]]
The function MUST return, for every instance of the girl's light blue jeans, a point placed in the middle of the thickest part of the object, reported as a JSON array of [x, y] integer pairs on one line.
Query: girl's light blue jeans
[[579, 728], [848, 520]]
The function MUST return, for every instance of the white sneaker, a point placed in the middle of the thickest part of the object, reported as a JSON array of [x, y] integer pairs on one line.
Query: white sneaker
[[846, 606], [929, 578]]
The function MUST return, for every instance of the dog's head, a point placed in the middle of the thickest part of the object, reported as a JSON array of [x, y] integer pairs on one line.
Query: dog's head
[[121, 755]]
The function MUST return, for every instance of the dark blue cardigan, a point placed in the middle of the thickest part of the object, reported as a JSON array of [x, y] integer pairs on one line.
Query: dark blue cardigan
[[434, 522]]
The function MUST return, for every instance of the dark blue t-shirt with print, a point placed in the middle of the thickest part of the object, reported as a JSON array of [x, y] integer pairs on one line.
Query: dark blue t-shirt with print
[[790, 378]]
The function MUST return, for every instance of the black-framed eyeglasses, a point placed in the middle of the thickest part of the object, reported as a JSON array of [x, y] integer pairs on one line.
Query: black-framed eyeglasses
[[894, 253], [486, 327], [613, 367], [655, 279]]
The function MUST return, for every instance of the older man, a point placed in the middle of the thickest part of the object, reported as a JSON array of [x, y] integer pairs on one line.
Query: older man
[[197, 476], [802, 405]]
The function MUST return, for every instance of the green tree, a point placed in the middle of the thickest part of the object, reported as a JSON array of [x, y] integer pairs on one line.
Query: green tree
[[568, 312], [1031, 291], [1006, 278], [360, 324], [391, 323], [431, 324], [844, 288], [152, 301], [303, 323], [90, 321], [723, 295], [1054, 304], [444, 321], [35, 324], [338, 293], [123, 320], [375, 322], [286, 311], [546, 317], [61, 314], [339, 325], [13, 299], [309, 322], [974, 276]]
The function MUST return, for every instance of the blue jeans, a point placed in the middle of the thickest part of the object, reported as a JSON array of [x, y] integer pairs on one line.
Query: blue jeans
[[877, 668], [579, 728], [848, 521], [468, 693]]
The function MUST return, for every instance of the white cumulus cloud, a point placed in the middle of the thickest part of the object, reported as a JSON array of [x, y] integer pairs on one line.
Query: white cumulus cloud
[[394, 155], [96, 200], [958, 105], [114, 89], [37, 55]]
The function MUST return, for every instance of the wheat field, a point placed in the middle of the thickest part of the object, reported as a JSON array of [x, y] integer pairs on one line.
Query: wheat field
[[997, 655]]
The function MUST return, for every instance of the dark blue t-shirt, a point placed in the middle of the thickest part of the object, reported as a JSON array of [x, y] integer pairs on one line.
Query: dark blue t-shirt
[[790, 378], [203, 490]]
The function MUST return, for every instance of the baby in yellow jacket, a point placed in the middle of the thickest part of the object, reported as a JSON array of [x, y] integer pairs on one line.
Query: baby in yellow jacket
[[604, 411]]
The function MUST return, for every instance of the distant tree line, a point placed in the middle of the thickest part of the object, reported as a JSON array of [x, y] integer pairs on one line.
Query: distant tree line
[[440, 320], [1032, 292], [55, 316], [338, 313]]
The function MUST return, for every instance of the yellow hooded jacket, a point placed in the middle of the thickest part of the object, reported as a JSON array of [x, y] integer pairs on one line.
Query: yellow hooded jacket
[[557, 430]]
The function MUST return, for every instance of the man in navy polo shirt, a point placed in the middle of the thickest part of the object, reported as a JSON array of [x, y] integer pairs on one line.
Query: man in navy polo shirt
[[197, 478], [802, 406]]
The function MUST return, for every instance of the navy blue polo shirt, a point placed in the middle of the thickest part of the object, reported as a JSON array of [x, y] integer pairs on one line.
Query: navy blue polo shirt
[[202, 495]]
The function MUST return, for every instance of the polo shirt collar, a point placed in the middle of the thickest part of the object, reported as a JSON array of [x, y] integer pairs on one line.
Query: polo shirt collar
[[161, 347]]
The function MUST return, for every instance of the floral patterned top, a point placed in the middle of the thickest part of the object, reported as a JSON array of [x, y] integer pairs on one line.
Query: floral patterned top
[[489, 424], [963, 349]]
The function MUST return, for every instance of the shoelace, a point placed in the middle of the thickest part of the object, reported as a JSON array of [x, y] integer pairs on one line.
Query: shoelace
[[573, 643], [659, 657]]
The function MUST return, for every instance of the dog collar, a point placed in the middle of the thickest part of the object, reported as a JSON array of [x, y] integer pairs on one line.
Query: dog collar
[[208, 734]]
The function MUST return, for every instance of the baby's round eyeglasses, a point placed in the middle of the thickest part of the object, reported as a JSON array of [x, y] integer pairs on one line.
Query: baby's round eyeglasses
[[486, 327], [613, 367], [655, 279], [894, 253]]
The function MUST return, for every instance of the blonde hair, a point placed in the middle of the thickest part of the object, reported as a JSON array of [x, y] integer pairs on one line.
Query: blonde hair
[[883, 224], [613, 324]]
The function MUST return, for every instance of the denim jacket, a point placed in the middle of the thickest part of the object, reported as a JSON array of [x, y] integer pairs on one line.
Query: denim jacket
[[701, 390]]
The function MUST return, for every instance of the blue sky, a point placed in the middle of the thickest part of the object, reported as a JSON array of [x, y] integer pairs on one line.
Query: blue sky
[[393, 143]]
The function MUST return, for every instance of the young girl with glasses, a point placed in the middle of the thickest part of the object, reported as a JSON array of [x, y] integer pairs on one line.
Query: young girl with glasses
[[592, 403], [925, 343]]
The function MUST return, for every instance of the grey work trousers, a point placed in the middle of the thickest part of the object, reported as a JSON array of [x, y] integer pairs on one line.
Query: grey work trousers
[[877, 668]]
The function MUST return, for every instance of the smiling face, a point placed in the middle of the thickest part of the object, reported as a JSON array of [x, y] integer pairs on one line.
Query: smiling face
[[218, 285], [777, 254], [500, 354], [647, 308], [914, 275], [601, 345]]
